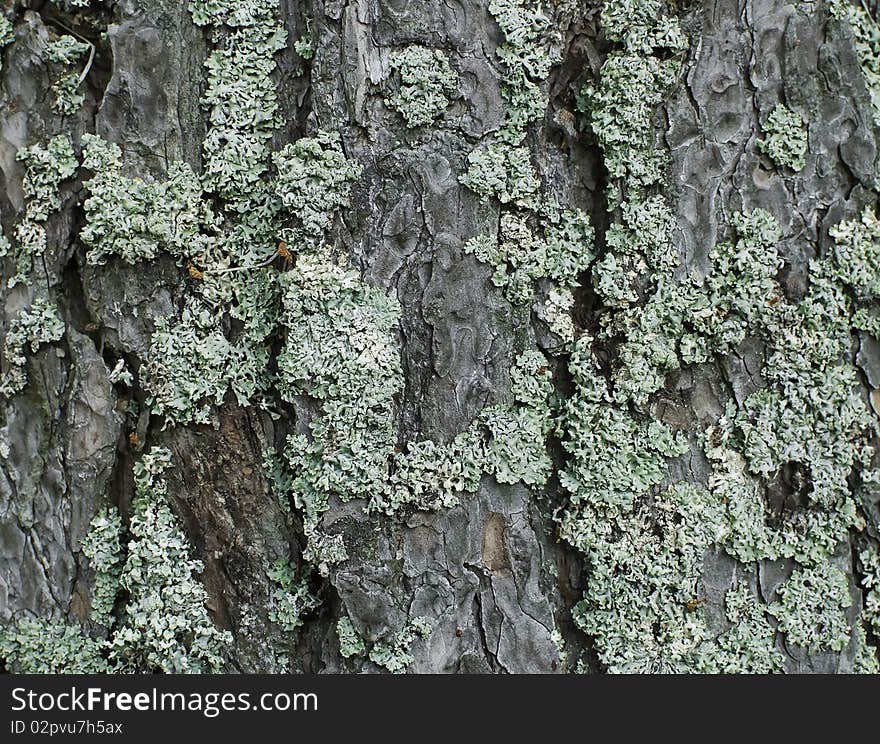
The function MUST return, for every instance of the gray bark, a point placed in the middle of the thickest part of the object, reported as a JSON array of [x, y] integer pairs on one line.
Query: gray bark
[[490, 574]]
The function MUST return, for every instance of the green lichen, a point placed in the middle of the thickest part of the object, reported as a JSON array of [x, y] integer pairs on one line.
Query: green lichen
[[866, 39], [38, 646], [749, 645], [865, 660], [304, 46], [121, 373], [6, 31], [503, 168], [396, 656], [342, 351], [66, 50], [811, 608], [641, 259], [785, 140], [30, 329], [103, 547], [240, 97], [642, 604], [556, 313], [526, 60], [522, 255], [632, 83], [192, 365], [350, 643], [644, 541], [67, 100], [165, 626], [613, 456], [809, 413], [857, 254], [7, 34], [291, 599], [45, 168], [504, 172], [314, 180], [426, 83], [869, 559], [136, 219]]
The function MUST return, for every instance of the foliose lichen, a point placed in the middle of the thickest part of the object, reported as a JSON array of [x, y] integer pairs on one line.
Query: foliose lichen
[[811, 608], [314, 180], [644, 539], [45, 168], [106, 553], [40, 646], [33, 327], [785, 141], [291, 599], [426, 83], [7, 34], [396, 656], [503, 168], [165, 626], [350, 643], [135, 219], [866, 37]]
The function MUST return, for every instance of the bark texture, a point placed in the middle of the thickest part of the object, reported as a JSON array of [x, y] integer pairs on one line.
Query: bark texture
[[493, 576]]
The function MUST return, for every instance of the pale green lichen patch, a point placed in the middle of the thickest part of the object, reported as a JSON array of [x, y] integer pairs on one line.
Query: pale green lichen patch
[[65, 51], [869, 559], [192, 364], [749, 645], [103, 547], [341, 350], [165, 626], [504, 172], [136, 219], [6, 31], [67, 98], [808, 414], [291, 599], [811, 608], [866, 38], [240, 97], [644, 545], [614, 457], [45, 168], [426, 83], [785, 138], [314, 180], [503, 169], [304, 46], [396, 656], [521, 254], [526, 59], [38, 646], [30, 329], [857, 254], [7, 34], [350, 643], [632, 83]]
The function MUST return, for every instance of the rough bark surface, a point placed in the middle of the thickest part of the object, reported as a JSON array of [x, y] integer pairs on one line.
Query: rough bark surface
[[491, 574]]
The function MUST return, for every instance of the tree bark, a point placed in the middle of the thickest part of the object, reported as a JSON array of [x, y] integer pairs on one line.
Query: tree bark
[[496, 576]]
